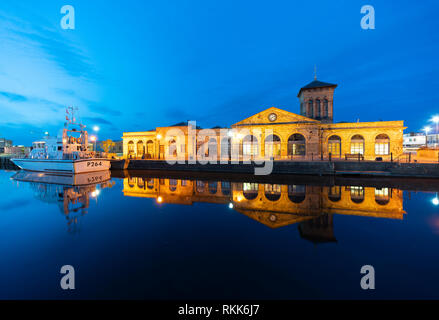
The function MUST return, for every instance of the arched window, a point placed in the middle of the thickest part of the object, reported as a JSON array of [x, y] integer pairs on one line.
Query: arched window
[[310, 109], [250, 190], [357, 144], [319, 110], [334, 193], [272, 192], [132, 181], [130, 147], [149, 149], [272, 146], [173, 184], [297, 193], [325, 108], [334, 146], [382, 196], [225, 188], [296, 145], [382, 143], [357, 194], [213, 187], [150, 183], [250, 146], [140, 148], [140, 183]]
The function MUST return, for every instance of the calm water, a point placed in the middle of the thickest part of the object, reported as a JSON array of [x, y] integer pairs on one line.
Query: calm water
[[166, 238]]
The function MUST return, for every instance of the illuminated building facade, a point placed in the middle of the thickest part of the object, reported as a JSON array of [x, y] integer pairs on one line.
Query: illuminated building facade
[[276, 133]]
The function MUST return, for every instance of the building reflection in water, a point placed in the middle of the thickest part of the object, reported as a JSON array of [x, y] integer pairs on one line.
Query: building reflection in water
[[276, 205], [72, 194]]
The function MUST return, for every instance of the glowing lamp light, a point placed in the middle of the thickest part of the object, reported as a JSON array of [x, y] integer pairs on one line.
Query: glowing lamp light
[[46, 133], [96, 128], [427, 129], [239, 198], [159, 136], [230, 134], [93, 138], [435, 201], [435, 119], [159, 199], [230, 205]]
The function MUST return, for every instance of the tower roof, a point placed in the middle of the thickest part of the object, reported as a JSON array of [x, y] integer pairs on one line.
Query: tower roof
[[316, 84]]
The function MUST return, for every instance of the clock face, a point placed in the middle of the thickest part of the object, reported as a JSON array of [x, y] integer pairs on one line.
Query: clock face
[[272, 117]]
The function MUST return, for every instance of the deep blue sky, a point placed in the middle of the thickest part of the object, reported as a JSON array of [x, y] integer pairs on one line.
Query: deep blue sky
[[134, 65]]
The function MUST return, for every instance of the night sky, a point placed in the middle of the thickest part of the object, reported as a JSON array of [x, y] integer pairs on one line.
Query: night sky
[[134, 65]]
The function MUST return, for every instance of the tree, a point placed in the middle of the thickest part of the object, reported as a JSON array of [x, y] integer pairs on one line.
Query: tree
[[107, 145]]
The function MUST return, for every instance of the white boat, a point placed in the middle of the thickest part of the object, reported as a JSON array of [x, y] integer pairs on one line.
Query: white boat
[[66, 153]]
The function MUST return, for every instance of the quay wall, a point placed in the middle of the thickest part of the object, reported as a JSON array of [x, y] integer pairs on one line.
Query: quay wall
[[320, 168], [6, 163]]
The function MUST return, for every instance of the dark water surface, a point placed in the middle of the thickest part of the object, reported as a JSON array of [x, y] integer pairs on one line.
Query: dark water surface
[[160, 238]]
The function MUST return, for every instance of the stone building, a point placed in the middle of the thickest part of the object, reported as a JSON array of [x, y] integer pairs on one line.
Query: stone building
[[279, 134]]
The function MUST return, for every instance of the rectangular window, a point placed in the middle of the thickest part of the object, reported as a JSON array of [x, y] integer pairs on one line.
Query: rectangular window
[[381, 148], [357, 148]]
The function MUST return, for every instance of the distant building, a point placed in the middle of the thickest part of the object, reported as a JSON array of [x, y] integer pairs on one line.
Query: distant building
[[4, 143], [118, 147], [17, 150], [414, 140]]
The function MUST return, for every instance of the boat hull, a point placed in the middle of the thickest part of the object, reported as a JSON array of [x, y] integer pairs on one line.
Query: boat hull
[[80, 179], [63, 166]]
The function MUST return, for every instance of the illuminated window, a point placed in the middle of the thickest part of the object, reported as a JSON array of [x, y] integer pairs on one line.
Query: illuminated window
[[272, 191], [357, 144], [250, 190], [272, 146], [297, 193], [382, 195], [334, 146], [382, 142], [250, 146], [334, 193], [296, 145], [357, 194]]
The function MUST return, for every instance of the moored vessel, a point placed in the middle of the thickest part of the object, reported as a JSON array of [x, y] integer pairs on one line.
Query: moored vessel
[[67, 153]]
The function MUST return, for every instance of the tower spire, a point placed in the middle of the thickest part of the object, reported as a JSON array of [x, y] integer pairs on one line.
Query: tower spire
[[315, 72]]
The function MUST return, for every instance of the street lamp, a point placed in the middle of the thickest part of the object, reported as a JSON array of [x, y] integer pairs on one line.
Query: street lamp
[[427, 130], [435, 119], [95, 128]]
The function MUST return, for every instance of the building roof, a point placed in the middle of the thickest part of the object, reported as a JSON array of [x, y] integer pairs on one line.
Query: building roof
[[316, 84]]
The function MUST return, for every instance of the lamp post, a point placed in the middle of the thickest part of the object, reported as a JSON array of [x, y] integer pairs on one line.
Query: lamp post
[[427, 130]]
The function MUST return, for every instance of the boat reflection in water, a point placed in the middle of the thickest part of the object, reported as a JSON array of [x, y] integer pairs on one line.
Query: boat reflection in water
[[70, 192], [276, 205]]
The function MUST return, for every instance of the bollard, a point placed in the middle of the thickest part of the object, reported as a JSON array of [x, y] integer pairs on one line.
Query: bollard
[[410, 156], [330, 154], [391, 156]]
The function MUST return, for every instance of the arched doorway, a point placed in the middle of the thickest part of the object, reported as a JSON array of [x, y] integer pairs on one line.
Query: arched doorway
[[272, 146], [296, 145], [334, 146], [357, 144]]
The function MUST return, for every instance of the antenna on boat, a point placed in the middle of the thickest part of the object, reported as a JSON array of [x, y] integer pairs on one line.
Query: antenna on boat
[[70, 114]]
